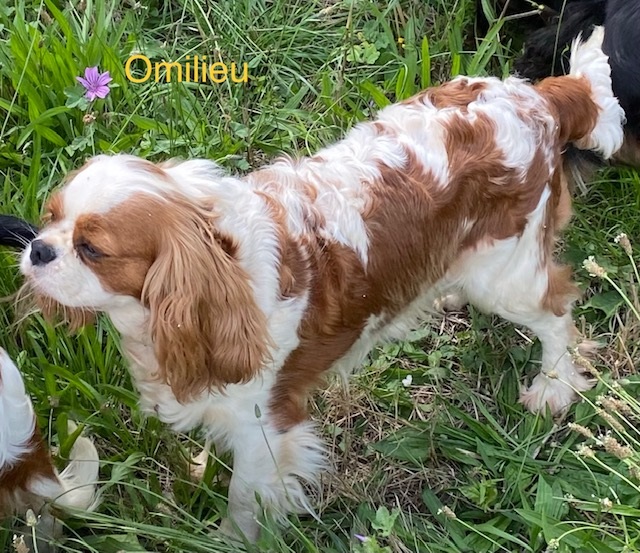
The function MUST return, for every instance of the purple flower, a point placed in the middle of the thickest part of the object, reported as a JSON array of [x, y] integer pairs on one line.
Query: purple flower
[[95, 83], [361, 538]]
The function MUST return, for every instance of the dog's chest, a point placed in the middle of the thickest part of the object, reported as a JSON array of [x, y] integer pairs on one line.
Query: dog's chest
[[219, 414], [157, 398]]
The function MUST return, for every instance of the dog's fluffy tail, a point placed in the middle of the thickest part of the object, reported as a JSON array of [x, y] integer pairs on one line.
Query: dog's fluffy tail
[[589, 61], [583, 104], [27, 475]]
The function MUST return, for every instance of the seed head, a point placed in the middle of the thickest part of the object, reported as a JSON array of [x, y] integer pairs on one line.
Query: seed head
[[624, 241], [611, 445], [611, 420], [581, 430], [592, 267], [448, 512]]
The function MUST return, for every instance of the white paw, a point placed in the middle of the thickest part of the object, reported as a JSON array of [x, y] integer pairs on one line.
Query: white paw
[[553, 392]]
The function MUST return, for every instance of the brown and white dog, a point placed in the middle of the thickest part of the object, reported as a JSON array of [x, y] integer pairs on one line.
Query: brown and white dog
[[234, 296], [28, 479]]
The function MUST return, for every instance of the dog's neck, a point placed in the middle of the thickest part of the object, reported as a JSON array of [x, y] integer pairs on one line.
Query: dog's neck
[[130, 318]]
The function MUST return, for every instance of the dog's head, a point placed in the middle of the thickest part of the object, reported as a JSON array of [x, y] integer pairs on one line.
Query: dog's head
[[125, 230]]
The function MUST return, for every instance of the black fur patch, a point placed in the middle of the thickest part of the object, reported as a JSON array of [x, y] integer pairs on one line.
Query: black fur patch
[[15, 232]]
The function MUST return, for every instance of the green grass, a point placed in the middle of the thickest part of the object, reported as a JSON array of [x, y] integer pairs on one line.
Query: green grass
[[450, 463]]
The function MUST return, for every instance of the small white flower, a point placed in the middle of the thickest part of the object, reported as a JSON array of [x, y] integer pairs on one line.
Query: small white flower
[[407, 380], [586, 451], [447, 511], [553, 545], [19, 545], [606, 503], [624, 241]]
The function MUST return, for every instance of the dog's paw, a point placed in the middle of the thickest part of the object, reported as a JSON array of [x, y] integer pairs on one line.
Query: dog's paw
[[549, 391]]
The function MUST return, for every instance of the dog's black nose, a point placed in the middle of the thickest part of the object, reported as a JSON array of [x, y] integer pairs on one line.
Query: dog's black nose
[[41, 253]]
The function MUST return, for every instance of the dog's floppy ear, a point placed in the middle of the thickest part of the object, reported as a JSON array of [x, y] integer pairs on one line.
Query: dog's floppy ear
[[205, 324]]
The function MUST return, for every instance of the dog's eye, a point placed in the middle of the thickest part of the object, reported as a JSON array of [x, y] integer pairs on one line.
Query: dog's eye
[[88, 250]]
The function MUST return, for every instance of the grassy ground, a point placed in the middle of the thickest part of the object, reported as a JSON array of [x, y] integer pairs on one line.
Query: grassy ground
[[447, 463]]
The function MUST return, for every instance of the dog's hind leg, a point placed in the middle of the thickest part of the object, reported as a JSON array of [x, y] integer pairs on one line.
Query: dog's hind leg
[[560, 379], [546, 312], [517, 279]]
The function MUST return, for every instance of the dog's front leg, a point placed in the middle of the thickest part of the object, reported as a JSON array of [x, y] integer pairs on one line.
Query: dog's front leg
[[268, 469]]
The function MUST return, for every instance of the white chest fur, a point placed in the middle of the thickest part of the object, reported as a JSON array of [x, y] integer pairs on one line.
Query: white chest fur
[[219, 413]]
